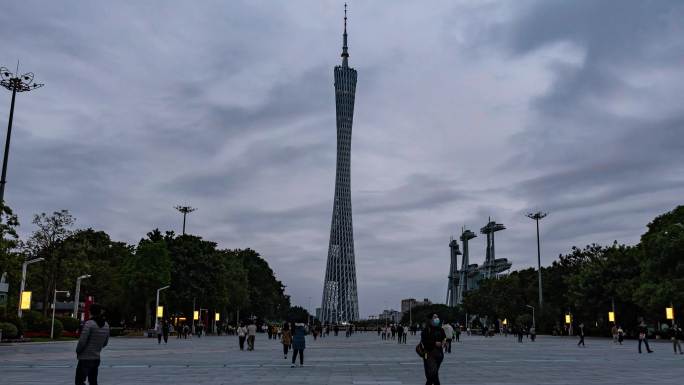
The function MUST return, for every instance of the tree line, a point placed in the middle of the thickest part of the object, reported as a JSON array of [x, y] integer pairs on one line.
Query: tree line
[[125, 278], [639, 281]]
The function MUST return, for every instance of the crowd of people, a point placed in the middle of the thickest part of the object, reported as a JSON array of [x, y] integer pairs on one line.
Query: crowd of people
[[436, 338]]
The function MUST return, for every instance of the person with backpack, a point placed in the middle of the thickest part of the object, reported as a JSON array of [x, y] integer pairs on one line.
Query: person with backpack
[[298, 343], [286, 338], [430, 348], [93, 339]]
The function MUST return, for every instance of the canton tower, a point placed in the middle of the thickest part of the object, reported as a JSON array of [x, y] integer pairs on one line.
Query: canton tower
[[340, 299]]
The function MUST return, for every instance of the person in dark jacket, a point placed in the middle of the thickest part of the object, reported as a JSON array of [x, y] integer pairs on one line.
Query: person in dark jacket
[[643, 336], [298, 343], [580, 333], [94, 337], [432, 338], [676, 331]]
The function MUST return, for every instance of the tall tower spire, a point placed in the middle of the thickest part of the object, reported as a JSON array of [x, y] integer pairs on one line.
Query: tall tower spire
[[340, 298], [345, 54]]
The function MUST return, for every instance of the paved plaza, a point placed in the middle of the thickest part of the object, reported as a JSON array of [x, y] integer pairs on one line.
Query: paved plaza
[[362, 359]]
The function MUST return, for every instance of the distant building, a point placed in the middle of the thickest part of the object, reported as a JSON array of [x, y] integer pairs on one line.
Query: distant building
[[391, 316], [410, 303], [318, 313]]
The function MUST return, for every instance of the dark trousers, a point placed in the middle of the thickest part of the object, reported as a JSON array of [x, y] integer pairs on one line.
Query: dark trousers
[[581, 341], [286, 347], [166, 337], [87, 369], [250, 342], [159, 337], [645, 341], [404, 337], [301, 356], [447, 347], [242, 342], [431, 366]]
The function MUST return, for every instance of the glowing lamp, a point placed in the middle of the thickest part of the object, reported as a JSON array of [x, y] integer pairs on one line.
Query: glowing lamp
[[218, 317], [195, 315], [505, 322], [26, 300], [160, 311], [611, 316], [669, 313], [568, 319]]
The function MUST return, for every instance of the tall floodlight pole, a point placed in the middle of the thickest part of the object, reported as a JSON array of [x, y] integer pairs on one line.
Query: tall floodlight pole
[[185, 210], [24, 266], [78, 292], [15, 83], [537, 216]]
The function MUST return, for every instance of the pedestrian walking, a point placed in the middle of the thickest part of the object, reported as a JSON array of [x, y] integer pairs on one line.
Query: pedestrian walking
[[621, 335], [400, 333], [242, 335], [643, 336], [286, 338], [158, 332], [533, 333], [449, 335], [251, 335], [405, 334], [457, 333], [614, 333], [580, 333], [298, 343], [165, 331], [676, 332], [94, 337], [431, 340]]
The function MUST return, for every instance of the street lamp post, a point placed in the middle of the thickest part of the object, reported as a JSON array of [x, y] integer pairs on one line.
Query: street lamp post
[[537, 216], [78, 293], [534, 324], [156, 316], [54, 307], [15, 83], [23, 279], [185, 210]]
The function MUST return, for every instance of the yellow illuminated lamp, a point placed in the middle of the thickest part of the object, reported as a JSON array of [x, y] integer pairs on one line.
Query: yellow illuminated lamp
[[195, 315], [26, 300], [505, 322], [669, 313], [611, 316], [567, 319], [160, 311], [218, 317]]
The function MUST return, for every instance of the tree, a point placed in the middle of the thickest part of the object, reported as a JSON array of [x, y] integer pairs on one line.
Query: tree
[[145, 271], [10, 259], [43, 242]]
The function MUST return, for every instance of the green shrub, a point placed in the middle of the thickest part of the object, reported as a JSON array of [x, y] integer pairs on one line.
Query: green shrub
[[13, 319], [70, 324], [34, 321], [58, 327], [8, 330]]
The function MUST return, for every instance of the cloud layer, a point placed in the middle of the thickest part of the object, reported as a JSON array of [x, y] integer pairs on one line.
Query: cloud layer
[[464, 110]]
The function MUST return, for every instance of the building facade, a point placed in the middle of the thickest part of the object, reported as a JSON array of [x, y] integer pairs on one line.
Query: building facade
[[340, 299]]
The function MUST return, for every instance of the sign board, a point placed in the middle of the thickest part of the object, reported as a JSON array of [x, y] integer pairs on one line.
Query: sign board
[[26, 300]]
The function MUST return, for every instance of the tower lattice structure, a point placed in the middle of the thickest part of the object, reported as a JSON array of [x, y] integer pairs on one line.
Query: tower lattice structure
[[340, 298]]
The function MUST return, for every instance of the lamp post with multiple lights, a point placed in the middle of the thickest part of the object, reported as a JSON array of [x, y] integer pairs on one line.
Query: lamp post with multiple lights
[[537, 216], [15, 83], [185, 210]]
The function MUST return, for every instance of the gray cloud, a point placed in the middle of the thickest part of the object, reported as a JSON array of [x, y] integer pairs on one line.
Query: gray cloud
[[464, 111]]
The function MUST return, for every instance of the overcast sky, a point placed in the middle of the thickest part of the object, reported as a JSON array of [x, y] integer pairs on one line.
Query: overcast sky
[[464, 110]]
